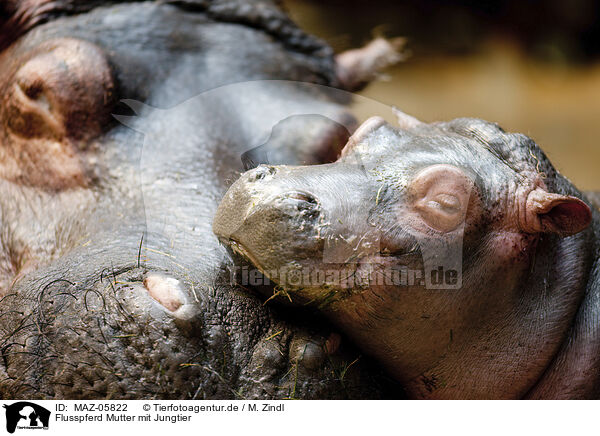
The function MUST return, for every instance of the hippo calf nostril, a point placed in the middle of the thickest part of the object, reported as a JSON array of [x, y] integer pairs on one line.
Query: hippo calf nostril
[[261, 172], [302, 196], [304, 202], [165, 290]]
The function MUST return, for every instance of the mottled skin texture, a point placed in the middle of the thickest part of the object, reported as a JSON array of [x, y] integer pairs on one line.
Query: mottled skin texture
[[526, 321], [88, 310]]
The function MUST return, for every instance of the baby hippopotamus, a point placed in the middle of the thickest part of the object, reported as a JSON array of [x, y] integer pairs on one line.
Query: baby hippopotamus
[[453, 252]]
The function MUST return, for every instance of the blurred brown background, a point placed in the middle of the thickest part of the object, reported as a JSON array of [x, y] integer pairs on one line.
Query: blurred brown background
[[532, 66]]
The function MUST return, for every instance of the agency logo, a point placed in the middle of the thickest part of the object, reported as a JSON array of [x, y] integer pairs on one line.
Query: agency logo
[[26, 416]]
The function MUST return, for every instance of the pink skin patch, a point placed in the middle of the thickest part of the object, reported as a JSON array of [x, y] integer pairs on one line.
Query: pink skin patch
[[165, 290]]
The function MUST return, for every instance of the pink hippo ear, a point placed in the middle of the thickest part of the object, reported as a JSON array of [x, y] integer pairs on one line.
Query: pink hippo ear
[[363, 130], [554, 213]]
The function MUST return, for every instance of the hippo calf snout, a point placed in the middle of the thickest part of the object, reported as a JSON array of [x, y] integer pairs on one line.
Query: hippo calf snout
[[265, 198], [259, 195]]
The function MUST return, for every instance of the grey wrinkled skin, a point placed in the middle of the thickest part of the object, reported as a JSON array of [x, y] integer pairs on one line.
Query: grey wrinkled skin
[[525, 321], [75, 318]]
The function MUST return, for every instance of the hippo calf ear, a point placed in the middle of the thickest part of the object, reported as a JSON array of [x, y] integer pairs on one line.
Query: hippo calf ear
[[361, 133], [554, 213]]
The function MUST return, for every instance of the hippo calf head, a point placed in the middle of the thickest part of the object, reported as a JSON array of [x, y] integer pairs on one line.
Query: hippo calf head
[[435, 246]]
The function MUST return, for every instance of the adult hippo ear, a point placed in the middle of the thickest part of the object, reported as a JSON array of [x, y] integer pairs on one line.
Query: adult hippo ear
[[546, 212], [56, 99]]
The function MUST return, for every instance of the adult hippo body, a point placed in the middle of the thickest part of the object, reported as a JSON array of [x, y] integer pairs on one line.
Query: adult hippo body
[[113, 285]]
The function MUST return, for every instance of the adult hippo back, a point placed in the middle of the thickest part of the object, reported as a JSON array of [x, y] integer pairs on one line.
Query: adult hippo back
[[112, 283]]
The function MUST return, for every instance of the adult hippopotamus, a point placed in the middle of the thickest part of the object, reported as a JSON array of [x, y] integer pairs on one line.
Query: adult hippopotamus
[[452, 252], [112, 284]]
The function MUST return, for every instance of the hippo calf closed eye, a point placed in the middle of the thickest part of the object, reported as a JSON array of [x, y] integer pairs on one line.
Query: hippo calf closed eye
[[452, 252]]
